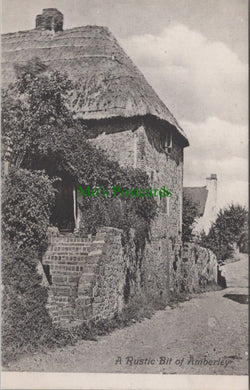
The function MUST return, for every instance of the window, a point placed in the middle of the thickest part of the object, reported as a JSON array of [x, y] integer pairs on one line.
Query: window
[[165, 205], [168, 142], [168, 206]]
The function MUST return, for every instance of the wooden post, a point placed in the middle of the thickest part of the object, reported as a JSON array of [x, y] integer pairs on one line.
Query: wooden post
[[76, 211]]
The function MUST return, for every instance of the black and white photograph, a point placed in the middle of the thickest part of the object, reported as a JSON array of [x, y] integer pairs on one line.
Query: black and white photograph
[[124, 203]]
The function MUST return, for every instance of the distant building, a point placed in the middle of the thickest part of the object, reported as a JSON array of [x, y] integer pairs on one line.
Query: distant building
[[205, 200]]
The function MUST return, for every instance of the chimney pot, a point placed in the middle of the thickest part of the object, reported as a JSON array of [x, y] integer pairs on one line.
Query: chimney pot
[[213, 176], [51, 19]]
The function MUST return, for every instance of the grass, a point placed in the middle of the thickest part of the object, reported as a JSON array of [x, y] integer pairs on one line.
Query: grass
[[140, 306]]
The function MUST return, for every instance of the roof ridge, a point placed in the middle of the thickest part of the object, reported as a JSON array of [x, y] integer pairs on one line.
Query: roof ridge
[[46, 32], [94, 66]]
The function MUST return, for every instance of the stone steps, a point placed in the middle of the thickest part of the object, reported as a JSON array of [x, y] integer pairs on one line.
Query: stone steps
[[72, 264]]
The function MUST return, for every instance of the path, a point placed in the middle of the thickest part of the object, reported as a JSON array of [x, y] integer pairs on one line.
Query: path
[[209, 327]]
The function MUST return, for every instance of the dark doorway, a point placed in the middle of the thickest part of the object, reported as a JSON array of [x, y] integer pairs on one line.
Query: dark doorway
[[63, 213], [221, 280]]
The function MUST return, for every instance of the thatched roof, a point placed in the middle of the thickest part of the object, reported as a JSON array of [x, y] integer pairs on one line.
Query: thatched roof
[[198, 196], [110, 84]]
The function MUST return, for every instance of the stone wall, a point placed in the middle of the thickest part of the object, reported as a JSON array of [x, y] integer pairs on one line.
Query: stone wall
[[103, 288], [94, 276], [198, 268], [139, 144]]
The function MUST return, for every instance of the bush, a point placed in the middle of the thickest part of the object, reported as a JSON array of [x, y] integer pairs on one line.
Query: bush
[[27, 201], [229, 228], [26, 207], [25, 320]]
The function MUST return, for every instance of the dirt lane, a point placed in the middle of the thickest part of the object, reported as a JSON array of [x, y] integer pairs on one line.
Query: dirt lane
[[206, 335]]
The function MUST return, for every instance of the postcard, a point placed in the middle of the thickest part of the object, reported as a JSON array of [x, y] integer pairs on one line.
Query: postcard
[[124, 128]]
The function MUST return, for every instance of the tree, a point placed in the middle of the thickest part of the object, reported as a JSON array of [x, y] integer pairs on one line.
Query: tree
[[34, 112], [229, 229], [189, 214]]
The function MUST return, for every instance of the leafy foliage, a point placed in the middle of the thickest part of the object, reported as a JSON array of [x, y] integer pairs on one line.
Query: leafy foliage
[[26, 206], [27, 200], [229, 228], [25, 320], [43, 142], [42, 133], [34, 110], [188, 217]]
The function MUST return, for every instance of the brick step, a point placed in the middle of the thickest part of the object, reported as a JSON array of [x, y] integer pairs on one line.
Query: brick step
[[68, 254], [67, 245], [80, 261], [54, 247], [68, 251], [62, 268], [71, 240], [70, 243], [83, 268]]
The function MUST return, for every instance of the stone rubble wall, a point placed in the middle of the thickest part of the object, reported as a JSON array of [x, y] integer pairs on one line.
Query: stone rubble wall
[[199, 268], [98, 280], [91, 275], [101, 293], [139, 145]]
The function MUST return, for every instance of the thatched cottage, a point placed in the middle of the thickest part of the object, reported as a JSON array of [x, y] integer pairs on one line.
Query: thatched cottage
[[127, 119], [205, 200]]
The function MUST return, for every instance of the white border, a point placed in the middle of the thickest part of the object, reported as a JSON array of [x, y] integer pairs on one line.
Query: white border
[[38, 380]]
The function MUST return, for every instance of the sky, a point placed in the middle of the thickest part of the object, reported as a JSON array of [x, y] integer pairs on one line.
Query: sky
[[194, 53]]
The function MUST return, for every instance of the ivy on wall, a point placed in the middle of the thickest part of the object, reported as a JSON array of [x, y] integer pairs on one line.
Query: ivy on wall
[[43, 142], [41, 132]]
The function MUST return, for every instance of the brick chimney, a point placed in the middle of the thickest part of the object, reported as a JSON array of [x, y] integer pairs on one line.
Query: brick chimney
[[211, 184], [51, 19]]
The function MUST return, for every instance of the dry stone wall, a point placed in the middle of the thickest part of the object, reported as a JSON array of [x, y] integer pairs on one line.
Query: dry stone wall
[[199, 268]]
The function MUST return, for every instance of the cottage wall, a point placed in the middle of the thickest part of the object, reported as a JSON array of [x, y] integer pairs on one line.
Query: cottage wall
[[96, 281], [140, 146]]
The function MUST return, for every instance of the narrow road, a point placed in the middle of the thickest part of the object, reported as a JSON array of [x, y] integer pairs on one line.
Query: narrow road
[[206, 335]]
